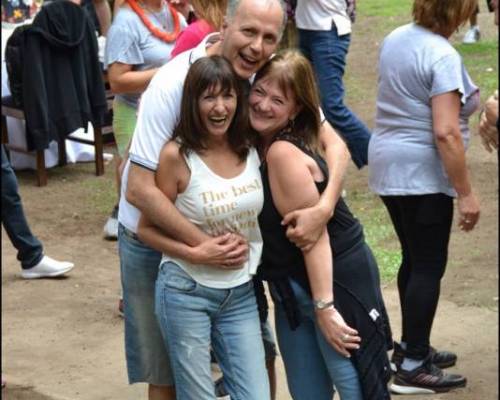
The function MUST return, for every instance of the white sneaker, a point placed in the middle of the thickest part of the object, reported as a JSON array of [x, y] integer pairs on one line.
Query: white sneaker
[[472, 35], [111, 227], [47, 268]]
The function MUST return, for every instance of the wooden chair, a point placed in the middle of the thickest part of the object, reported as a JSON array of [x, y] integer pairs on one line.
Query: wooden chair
[[10, 110]]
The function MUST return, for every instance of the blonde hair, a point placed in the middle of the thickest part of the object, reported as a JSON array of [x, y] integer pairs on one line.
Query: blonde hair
[[294, 74], [443, 16], [211, 11]]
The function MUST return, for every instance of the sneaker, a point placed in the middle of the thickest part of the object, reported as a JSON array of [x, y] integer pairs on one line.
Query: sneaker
[[426, 379], [441, 359], [111, 226], [47, 268], [120, 308], [220, 390], [472, 35]]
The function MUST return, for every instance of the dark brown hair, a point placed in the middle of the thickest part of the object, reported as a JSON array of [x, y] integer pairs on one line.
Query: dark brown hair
[[294, 75], [209, 73]]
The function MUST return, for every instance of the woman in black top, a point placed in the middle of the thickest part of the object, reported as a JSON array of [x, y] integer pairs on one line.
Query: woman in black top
[[316, 309]]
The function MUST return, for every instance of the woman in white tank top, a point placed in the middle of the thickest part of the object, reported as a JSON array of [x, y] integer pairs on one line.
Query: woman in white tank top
[[211, 172]]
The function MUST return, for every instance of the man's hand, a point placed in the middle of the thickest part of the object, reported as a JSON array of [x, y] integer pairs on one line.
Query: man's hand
[[305, 226], [228, 251], [487, 124]]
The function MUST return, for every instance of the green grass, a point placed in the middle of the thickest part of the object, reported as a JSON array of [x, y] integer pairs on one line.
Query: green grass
[[384, 8], [482, 64], [379, 232]]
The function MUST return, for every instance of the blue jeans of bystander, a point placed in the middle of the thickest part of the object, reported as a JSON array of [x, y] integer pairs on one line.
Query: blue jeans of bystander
[[327, 52], [29, 248]]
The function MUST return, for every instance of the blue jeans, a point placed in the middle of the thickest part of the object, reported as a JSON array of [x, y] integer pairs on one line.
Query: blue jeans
[[327, 52], [313, 367], [193, 317], [145, 350], [29, 248]]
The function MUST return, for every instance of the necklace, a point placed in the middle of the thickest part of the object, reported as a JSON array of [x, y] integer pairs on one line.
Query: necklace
[[167, 37]]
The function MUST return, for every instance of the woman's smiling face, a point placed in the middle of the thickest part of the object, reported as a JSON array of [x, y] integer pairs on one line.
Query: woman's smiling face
[[271, 107], [217, 108]]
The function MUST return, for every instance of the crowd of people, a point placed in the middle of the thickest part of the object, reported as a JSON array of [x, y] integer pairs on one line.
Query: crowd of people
[[231, 157]]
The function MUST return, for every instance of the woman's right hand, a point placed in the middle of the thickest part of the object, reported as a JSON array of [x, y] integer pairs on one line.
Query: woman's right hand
[[340, 335], [468, 210], [227, 251]]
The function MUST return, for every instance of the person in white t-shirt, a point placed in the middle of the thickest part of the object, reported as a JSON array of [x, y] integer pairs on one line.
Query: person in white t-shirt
[[324, 28], [211, 173]]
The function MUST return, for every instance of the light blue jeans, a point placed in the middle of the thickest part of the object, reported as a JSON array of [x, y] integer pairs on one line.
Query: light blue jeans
[[192, 317], [145, 350], [313, 367]]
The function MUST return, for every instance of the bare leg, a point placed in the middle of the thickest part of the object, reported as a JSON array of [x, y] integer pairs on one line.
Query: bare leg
[[161, 392], [103, 12], [271, 372], [473, 19]]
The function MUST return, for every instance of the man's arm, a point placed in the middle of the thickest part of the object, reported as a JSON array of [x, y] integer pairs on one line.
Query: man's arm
[[306, 225], [156, 120], [143, 193]]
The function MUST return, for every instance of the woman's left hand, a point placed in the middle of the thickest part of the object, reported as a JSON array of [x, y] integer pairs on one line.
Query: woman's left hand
[[340, 335], [305, 226], [468, 209]]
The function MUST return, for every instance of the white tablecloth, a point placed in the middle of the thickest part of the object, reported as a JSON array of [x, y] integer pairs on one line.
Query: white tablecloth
[[75, 152]]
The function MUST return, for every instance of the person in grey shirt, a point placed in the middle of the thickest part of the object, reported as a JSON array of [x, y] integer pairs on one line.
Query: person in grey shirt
[[417, 166]]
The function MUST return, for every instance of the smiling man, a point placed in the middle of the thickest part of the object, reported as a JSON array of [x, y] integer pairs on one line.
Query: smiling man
[[250, 34]]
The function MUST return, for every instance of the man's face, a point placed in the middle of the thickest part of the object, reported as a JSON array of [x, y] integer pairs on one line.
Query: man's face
[[252, 35]]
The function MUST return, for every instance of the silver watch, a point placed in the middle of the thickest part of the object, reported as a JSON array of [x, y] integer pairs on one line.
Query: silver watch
[[322, 304]]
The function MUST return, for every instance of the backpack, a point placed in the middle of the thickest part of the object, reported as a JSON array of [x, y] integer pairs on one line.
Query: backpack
[[14, 60]]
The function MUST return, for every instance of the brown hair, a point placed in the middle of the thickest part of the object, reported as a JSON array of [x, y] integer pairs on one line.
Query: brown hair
[[211, 11], [294, 74], [443, 16], [208, 73]]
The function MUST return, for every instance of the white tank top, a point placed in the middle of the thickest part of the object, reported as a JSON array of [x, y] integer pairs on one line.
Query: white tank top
[[218, 205]]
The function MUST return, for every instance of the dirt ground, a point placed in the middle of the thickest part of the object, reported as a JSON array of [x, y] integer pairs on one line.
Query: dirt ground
[[62, 339]]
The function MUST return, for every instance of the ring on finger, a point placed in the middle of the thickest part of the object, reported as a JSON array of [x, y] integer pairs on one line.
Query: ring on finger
[[345, 336]]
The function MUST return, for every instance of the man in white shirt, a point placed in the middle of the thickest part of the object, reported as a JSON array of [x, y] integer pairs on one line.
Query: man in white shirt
[[324, 28], [249, 36]]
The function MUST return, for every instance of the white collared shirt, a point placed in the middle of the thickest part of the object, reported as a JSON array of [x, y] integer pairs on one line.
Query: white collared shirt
[[318, 15]]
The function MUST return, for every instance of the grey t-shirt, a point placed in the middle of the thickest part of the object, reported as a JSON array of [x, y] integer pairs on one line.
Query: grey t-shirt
[[415, 65], [130, 42]]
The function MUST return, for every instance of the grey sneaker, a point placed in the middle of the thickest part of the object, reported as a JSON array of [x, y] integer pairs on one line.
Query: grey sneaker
[[111, 227], [47, 268]]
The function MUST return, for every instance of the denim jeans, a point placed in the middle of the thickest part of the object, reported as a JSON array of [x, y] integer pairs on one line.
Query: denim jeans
[[145, 350], [313, 367], [29, 248], [193, 317], [327, 52]]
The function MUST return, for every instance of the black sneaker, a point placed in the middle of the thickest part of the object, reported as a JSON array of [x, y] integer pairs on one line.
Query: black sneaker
[[426, 379], [441, 359]]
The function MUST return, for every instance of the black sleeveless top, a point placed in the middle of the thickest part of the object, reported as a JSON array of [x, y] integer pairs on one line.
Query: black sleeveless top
[[280, 257]]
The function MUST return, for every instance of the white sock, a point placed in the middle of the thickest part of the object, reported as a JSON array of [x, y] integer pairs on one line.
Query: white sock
[[410, 364]]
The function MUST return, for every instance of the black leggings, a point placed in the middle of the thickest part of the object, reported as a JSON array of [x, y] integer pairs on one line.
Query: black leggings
[[423, 225]]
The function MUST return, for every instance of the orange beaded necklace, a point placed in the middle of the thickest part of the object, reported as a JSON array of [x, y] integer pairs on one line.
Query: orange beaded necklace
[[168, 37]]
